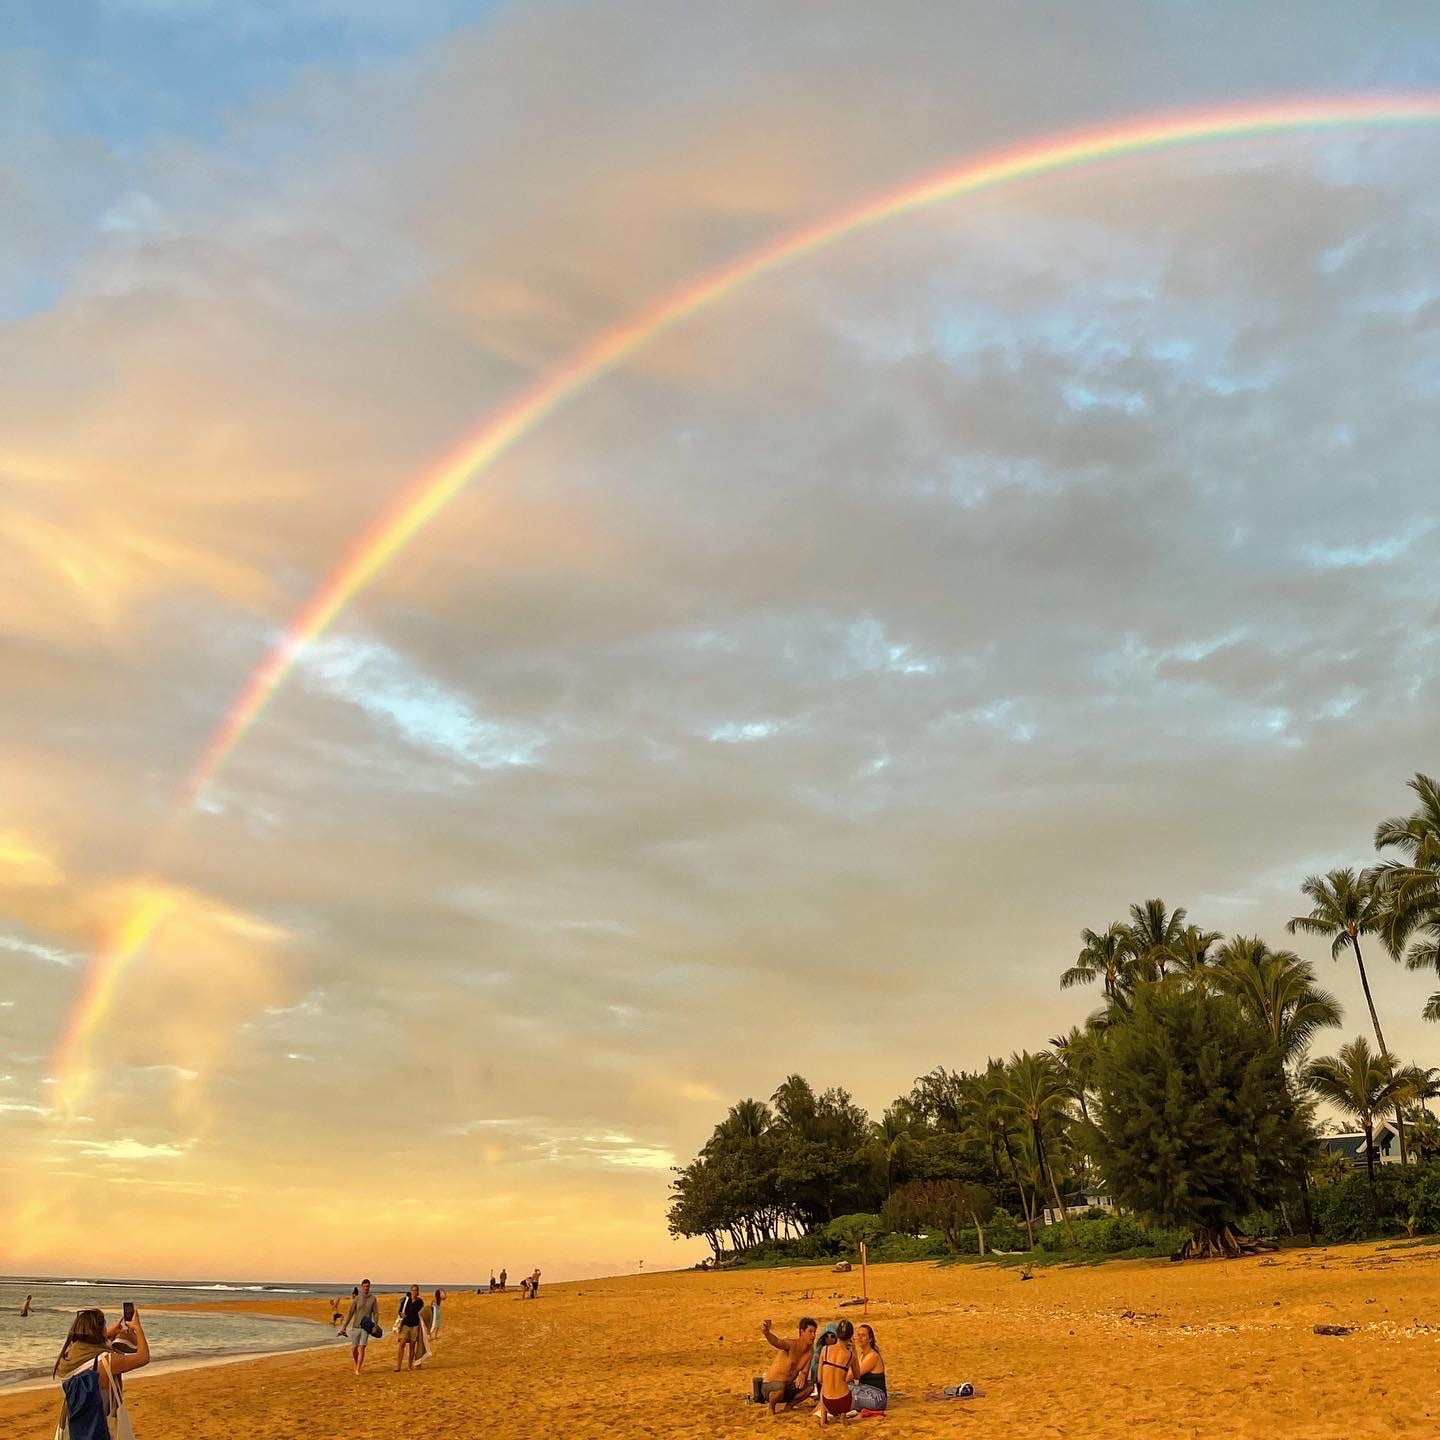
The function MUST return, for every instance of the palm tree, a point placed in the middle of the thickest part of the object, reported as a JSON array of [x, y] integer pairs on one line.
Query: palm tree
[[1410, 888], [989, 1114], [1411, 833], [1359, 1083], [795, 1104], [746, 1120], [1156, 935], [1193, 958], [1277, 988], [891, 1134], [1109, 957], [1034, 1088], [1076, 1052], [1344, 906]]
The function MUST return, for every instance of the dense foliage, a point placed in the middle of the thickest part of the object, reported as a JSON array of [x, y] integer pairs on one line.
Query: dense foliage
[[1196, 1124], [1188, 1099]]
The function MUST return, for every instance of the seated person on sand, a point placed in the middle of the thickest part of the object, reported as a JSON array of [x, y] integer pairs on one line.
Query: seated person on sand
[[787, 1381], [867, 1372], [836, 1402]]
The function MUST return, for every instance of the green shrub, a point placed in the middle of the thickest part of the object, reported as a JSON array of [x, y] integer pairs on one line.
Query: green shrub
[[1116, 1233], [893, 1247], [1425, 1201], [847, 1231], [1005, 1232], [1347, 1210]]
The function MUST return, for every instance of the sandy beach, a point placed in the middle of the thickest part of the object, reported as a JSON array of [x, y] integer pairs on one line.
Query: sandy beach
[[1136, 1348]]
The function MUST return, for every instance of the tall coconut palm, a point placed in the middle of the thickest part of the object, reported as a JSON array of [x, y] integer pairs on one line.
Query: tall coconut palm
[[1195, 958], [1035, 1089], [1343, 907], [989, 1112], [1277, 988], [892, 1138], [746, 1120], [1410, 833], [1156, 935], [1410, 887], [1077, 1054], [795, 1104], [1359, 1083], [1109, 957]]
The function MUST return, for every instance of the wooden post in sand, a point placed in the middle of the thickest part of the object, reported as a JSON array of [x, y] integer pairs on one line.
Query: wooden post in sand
[[864, 1278]]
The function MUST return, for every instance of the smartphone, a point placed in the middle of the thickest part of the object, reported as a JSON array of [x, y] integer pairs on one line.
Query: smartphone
[[127, 1311]]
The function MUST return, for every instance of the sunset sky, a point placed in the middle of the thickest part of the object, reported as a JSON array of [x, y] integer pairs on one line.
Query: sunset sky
[[789, 700]]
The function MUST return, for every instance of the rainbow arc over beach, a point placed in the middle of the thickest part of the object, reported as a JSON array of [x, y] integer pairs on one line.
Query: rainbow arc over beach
[[423, 497]]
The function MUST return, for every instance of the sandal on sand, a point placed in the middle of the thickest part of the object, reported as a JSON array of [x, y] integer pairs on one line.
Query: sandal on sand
[[960, 1392]]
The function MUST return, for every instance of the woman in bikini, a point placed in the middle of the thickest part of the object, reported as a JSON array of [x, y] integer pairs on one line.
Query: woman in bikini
[[835, 1399], [867, 1372]]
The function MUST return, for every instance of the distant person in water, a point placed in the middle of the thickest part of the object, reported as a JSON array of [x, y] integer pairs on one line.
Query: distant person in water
[[787, 1382], [412, 1307], [89, 1371], [435, 1304], [337, 1310], [25, 1308], [836, 1400], [867, 1372], [365, 1311]]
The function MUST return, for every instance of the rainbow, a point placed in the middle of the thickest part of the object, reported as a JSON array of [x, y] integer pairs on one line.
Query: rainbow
[[420, 500]]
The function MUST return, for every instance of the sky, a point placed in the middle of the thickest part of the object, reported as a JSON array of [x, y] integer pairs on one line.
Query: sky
[[789, 701]]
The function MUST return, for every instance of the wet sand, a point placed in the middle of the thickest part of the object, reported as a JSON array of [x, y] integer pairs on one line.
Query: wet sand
[[1213, 1350]]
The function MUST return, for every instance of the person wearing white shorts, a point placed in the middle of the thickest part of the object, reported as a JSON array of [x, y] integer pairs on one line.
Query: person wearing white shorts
[[365, 1311]]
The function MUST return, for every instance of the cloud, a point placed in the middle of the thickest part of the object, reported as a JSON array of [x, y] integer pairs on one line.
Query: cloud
[[1074, 530]]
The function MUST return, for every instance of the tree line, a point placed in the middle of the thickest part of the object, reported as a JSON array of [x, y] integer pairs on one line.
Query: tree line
[[1189, 1096]]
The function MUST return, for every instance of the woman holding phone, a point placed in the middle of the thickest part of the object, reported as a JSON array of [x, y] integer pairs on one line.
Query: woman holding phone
[[89, 1368]]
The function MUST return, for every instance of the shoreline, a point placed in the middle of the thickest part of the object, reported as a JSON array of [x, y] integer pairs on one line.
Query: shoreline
[[168, 1367], [197, 1361]]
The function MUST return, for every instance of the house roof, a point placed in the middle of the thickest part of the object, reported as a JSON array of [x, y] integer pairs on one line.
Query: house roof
[[1352, 1147]]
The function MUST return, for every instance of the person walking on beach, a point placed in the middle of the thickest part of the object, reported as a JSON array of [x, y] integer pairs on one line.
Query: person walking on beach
[[435, 1313], [503, 1277], [411, 1309], [787, 1382], [365, 1311], [89, 1372]]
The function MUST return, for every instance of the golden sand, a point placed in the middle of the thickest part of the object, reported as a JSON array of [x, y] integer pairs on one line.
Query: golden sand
[[1131, 1348]]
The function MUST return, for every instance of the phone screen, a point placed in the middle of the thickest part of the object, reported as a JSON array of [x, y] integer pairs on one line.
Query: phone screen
[[128, 1311]]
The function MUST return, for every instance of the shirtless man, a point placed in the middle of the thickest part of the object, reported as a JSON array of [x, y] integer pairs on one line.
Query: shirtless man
[[787, 1381]]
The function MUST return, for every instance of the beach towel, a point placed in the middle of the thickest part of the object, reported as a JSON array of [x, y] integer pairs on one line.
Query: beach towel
[[84, 1415], [425, 1351]]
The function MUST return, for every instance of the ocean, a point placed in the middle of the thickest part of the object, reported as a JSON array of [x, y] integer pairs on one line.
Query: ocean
[[28, 1347]]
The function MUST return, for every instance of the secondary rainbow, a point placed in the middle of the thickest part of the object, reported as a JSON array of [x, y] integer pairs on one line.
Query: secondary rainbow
[[420, 500]]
